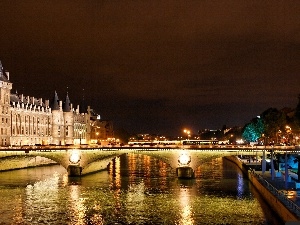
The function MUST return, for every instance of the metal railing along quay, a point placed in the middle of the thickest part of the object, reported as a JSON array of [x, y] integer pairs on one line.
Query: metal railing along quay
[[292, 206]]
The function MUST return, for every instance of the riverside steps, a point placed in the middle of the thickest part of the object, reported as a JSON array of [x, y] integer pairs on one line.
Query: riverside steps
[[279, 193]]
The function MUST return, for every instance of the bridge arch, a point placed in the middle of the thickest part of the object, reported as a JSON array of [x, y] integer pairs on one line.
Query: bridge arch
[[92, 160]]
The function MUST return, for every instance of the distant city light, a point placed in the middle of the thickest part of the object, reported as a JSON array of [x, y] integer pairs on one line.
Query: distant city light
[[241, 141]]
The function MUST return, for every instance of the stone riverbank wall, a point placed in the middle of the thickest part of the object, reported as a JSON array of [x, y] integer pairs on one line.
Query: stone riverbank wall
[[283, 206]]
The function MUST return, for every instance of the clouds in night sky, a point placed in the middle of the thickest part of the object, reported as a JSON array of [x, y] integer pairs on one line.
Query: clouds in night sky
[[157, 66]]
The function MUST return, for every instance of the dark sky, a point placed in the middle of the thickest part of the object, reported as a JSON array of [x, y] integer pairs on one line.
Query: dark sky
[[156, 66]]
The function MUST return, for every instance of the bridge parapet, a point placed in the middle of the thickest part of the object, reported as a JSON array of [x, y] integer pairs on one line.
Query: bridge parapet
[[98, 158]]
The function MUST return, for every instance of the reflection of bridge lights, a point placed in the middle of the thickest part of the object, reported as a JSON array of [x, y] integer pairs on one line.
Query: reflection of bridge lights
[[184, 159], [75, 156], [186, 215], [77, 207], [240, 186]]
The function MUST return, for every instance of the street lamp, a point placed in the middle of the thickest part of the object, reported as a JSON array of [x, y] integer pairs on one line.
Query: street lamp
[[289, 131], [187, 132], [97, 133], [80, 132], [278, 137]]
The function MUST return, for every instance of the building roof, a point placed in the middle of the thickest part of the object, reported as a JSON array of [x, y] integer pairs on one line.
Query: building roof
[[14, 98], [2, 74], [55, 103], [67, 104], [26, 100]]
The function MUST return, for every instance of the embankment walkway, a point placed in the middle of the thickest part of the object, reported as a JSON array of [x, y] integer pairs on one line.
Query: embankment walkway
[[282, 196]]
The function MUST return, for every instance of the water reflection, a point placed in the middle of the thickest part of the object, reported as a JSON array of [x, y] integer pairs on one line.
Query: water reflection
[[240, 185], [77, 206], [135, 202], [136, 190], [115, 178], [18, 212], [186, 209], [42, 199]]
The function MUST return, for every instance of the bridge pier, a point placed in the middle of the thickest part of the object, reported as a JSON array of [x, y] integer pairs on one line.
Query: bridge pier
[[185, 172], [74, 170]]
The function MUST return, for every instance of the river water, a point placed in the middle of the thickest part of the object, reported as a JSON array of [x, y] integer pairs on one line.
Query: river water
[[136, 189]]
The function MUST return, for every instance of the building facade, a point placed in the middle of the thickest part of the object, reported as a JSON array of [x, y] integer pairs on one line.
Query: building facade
[[28, 120]]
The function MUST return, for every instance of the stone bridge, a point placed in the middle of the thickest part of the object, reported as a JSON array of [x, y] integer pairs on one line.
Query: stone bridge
[[96, 159]]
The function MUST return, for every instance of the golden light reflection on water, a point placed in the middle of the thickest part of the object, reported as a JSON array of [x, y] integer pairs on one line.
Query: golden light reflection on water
[[163, 174], [115, 173], [135, 202], [77, 206], [97, 219], [147, 166], [228, 210], [131, 166], [18, 217], [116, 184], [186, 209], [111, 198], [41, 199], [65, 180]]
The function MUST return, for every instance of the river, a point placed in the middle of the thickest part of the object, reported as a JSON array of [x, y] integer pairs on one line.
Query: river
[[136, 189]]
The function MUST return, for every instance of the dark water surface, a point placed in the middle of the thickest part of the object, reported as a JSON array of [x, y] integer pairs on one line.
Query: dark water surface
[[136, 190]]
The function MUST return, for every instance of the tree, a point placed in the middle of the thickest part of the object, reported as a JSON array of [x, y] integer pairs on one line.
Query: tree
[[274, 121], [253, 130]]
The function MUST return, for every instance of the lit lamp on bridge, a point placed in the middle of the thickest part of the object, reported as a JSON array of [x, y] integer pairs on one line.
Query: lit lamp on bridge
[[184, 160], [74, 169], [74, 157], [184, 170]]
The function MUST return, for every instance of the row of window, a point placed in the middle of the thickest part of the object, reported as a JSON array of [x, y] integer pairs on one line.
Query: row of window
[[3, 141], [29, 141], [28, 119], [60, 131], [17, 130], [4, 121], [4, 110], [4, 95], [4, 131]]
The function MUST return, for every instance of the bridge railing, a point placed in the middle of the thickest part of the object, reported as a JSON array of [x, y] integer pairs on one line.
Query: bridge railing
[[291, 205]]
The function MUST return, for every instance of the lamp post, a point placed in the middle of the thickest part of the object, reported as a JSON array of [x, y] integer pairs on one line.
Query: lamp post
[[97, 133], [278, 136], [263, 162], [289, 131], [80, 132]]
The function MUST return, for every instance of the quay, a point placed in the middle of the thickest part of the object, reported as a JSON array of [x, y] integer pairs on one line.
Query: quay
[[280, 194]]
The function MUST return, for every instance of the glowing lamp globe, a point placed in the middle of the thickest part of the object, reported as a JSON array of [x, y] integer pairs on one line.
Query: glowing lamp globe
[[184, 159], [74, 157]]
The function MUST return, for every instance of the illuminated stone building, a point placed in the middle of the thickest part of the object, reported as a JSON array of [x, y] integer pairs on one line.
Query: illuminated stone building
[[28, 120], [5, 88]]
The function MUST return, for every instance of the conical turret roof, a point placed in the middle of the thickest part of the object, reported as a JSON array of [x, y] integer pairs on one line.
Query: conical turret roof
[[67, 104], [55, 103], [2, 74]]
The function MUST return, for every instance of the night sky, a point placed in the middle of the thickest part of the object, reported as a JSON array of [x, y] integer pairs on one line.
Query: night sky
[[156, 66]]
